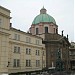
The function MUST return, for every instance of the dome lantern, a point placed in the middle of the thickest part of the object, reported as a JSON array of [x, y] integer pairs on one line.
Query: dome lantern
[[43, 11]]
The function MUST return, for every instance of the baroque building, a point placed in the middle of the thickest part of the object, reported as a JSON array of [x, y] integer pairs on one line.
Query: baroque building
[[45, 26], [19, 51], [33, 51], [72, 56]]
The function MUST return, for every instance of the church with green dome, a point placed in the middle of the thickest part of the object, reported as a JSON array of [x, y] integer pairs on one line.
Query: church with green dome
[[44, 26], [43, 23]]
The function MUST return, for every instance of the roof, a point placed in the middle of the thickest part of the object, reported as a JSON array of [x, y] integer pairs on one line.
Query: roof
[[43, 17]]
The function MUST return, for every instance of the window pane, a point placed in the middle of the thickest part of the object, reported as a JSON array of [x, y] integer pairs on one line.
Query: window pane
[[43, 53], [18, 37], [15, 37], [29, 51], [15, 49], [36, 63], [18, 62], [0, 21], [46, 29], [26, 50], [36, 31], [14, 63], [36, 52], [18, 49], [27, 63]]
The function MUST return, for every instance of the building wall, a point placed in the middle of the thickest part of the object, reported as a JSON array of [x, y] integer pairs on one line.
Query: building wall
[[72, 56], [4, 39], [4, 48], [41, 28], [4, 18], [52, 46], [13, 45], [23, 44]]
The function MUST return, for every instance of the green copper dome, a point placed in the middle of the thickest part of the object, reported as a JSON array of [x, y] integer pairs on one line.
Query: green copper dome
[[43, 17]]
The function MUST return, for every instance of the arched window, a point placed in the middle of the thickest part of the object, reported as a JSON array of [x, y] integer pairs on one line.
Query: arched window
[[46, 29]]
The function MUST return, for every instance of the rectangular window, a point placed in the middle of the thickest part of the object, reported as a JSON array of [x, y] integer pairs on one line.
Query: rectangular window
[[37, 52], [16, 49], [28, 40], [46, 29], [16, 63], [37, 63], [28, 51], [37, 42], [43, 63], [28, 63], [43, 53], [54, 30], [36, 31], [0, 21], [17, 37]]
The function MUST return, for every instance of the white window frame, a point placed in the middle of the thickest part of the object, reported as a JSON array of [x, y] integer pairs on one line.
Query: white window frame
[[28, 63], [16, 62]]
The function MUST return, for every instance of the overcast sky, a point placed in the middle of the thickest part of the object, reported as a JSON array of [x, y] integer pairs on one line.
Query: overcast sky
[[23, 13]]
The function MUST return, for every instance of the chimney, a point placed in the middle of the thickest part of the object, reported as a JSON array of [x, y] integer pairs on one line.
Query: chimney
[[10, 25], [62, 32], [67, 36]]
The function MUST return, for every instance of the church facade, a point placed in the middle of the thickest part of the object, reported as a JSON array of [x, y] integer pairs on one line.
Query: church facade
[[45, 26]]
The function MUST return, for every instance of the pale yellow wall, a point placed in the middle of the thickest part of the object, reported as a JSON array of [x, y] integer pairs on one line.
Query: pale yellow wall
[[4, 48], [4, 39], [23, 56], [5, 18], [7, 43]]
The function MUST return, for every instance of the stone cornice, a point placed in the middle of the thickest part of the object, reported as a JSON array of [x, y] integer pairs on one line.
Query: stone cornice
[[4, 9], [5, 15], [4, 33]]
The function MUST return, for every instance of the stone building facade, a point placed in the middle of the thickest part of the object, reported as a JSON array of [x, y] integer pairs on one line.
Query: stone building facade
[[45, 26], [32, 51], [19, 51], [72, 56]]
